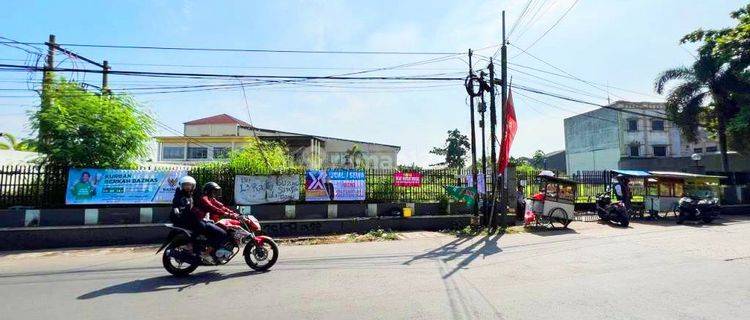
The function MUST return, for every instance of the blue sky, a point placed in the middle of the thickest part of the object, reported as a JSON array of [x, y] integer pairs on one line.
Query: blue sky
[[621, 43]]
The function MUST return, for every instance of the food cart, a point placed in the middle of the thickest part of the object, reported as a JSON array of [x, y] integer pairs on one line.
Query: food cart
[[555, 201], [665, 188], [637, 181]]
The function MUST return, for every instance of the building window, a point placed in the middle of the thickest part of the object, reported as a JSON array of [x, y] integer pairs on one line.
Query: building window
[[712, 149], [221, 152], [197, 153], [660, 151], [632, 125], [635, 151], [173, 153], [657, 125], [697, 150]]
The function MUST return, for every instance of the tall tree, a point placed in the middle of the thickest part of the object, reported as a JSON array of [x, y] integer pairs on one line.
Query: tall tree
[[13, 144], [85, 129], [455, 150], [710, 93], [537, 160]]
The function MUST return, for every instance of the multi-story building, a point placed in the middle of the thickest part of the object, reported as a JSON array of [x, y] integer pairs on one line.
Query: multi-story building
[[212, 138], [607, 138]]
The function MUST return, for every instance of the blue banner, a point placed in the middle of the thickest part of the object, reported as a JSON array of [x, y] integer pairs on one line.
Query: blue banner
[[115, 186], [335, 185]]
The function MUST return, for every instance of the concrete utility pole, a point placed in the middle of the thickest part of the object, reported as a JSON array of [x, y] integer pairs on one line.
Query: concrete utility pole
[[105, 74], [47, 83], [482, 124], [504, 98], [475, 209], [493, 136]]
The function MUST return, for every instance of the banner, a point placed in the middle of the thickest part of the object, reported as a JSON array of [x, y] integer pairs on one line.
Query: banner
[[348, 185], [481, 186], [315, 186], [108, 186], [407, 179], [266, 189], [465, 194], [334, 184]]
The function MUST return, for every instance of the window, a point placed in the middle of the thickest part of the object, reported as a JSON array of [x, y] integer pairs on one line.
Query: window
[[712, 149], [632, 124], [697, 150], [221, 152], [635, 151], [660, 151], [173, 153], [197, 152], [657, 125]]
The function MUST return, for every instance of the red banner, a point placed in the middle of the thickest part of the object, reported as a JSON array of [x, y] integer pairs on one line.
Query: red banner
[[407, 179], [511, 126]]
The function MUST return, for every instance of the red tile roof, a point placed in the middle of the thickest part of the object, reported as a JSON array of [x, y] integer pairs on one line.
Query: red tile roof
[[219, 119]]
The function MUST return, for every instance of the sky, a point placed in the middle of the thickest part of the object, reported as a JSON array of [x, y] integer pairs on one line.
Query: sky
[[617, 47]]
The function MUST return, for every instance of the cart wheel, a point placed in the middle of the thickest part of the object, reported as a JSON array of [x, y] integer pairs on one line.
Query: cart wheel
[[563, 221]]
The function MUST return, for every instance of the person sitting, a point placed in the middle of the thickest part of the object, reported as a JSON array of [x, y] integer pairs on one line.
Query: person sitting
[[192, 217], [217, 211]]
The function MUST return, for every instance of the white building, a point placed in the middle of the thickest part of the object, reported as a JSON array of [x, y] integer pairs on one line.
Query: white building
[[212, 138], [605, 138]]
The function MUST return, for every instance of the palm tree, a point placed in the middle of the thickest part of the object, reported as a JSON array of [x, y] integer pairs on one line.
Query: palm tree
[[353, 154], [704, 97], [13, 143]]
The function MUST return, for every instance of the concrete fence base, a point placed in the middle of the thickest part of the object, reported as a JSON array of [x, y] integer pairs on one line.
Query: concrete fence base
[[29, 238]]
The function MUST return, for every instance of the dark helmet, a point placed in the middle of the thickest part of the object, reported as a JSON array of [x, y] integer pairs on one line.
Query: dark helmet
[[211, 189]]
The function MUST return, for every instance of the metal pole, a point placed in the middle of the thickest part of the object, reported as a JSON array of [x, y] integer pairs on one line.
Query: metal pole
[[105, 74], [475, 209], [493, 136], [46, 85], [482, 124]]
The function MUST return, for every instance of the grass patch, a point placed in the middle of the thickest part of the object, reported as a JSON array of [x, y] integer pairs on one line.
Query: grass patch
[[372, 235], [471, 231]]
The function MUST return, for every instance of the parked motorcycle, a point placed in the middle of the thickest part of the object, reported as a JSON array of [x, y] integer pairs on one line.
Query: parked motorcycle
[[608, 211], [183, 248], [697, 208]]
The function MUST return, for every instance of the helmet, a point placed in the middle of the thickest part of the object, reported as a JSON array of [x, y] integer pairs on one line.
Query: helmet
[[186, 180], [620, 176], [211, 188]]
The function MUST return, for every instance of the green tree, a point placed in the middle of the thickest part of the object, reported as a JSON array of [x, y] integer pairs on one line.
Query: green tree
[[13, 144], [256, 157], [84, 129], [455, 150], [711, 93], [537, 160], [354, 154]]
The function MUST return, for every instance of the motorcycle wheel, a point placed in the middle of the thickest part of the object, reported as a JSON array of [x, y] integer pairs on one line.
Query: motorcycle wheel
[[681, 216], [707, 219], [181, 269], [624, 220], [261, 258]]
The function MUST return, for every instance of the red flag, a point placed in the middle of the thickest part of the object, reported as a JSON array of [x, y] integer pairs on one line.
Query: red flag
[[511, 125]]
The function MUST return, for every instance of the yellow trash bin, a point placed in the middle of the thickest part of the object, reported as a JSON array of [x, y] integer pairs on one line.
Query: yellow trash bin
[[407, 212]]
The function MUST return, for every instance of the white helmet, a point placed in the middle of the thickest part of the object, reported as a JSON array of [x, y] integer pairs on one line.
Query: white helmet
[[186, 180]]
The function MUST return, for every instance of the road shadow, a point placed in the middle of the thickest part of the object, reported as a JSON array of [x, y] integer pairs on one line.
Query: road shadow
[[545, 231], [163, 283], [478, 246], [613, 224]]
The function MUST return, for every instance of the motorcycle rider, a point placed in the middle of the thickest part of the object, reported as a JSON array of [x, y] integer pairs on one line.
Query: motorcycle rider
[[192, 217], [217, 211], [622, 191]]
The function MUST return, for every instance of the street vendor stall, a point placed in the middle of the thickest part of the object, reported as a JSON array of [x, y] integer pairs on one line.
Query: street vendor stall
[[637, 181], [665, 188], [554, 203]]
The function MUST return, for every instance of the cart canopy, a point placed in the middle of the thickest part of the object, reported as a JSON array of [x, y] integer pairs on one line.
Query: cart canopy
[[683, 175], [633, 173]]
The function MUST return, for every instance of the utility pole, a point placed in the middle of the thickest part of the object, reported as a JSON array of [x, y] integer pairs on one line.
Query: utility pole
[[105, 74], [503, 100], [475, 209], [493, 136], [482, 124], [47, 84]]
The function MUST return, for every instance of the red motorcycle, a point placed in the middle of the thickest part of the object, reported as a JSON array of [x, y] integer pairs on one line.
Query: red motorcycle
[[184, 251]]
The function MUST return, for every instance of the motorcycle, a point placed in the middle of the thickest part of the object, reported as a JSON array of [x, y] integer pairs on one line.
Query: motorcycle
[[696, 208], [183, 248], [608, 211]]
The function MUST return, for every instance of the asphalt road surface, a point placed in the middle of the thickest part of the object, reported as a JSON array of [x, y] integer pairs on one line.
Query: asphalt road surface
[[593, 271]]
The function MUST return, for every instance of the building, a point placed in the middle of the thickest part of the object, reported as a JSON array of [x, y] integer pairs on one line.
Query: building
[[607, 138], [555, 161], [212, 138]]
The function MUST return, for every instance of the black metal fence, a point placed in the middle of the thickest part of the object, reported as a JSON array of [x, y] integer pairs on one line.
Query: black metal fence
[[45, 186]]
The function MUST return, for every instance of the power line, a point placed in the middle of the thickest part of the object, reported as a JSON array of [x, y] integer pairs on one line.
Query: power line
[[110, 46], [531, 20], [553, 26]]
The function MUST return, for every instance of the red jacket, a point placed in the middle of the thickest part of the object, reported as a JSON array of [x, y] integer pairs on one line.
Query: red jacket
[[215, 209]]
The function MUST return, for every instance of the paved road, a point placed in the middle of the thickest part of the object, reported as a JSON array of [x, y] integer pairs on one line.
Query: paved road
[[595, 271]]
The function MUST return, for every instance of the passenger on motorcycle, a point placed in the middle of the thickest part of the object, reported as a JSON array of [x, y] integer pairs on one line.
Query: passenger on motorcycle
[[217, 211], [190, 216]]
